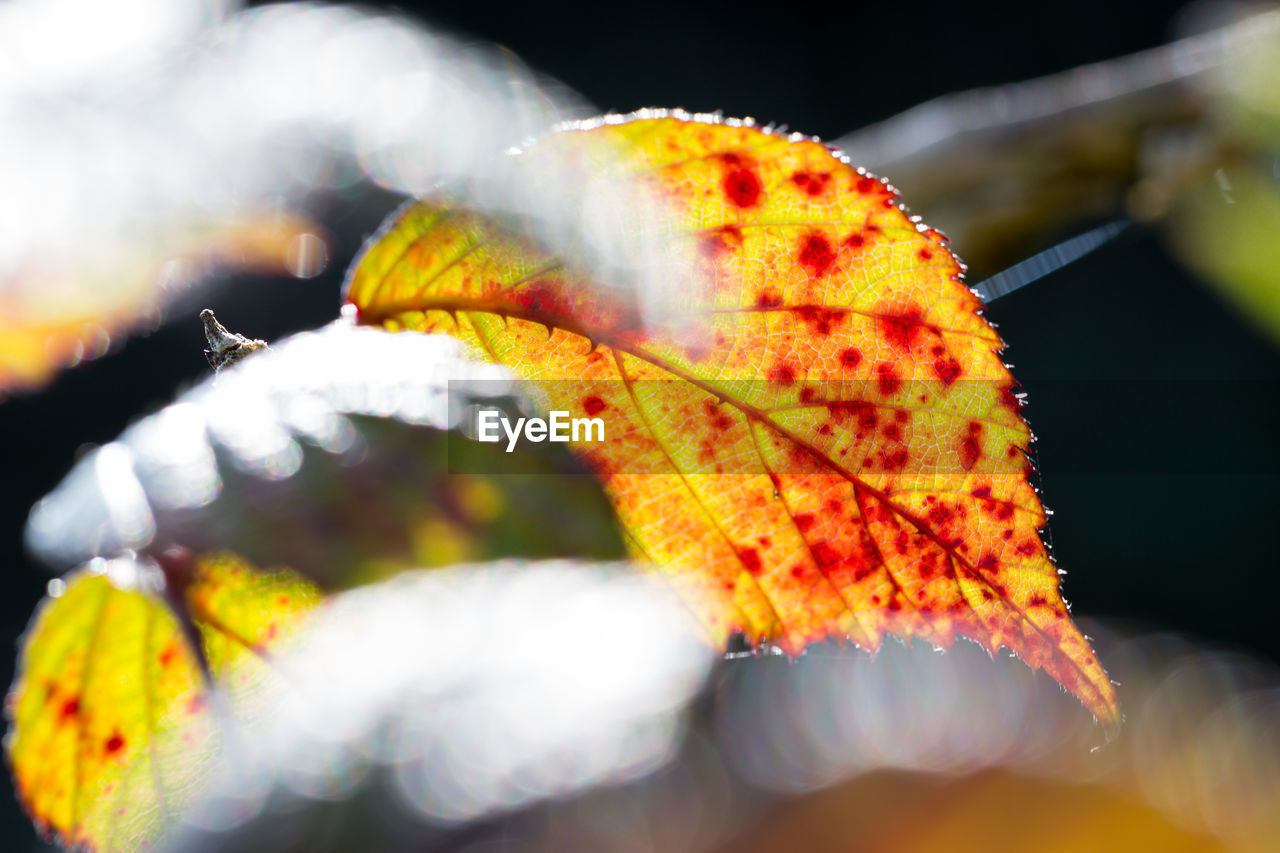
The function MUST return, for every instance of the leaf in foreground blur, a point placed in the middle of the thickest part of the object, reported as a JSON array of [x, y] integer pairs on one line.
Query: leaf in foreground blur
[[821, 441], [150, 148], [335, 454], [113, 726], [438, 700], [910, 751]]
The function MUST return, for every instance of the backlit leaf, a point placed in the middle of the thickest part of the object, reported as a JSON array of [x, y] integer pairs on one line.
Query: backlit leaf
[[820, 440], [112, 723]]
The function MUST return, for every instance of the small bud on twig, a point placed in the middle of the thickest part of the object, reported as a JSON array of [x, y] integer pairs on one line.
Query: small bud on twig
[[225, 348]]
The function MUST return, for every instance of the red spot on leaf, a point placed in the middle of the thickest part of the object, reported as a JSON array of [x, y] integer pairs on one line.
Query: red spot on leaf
[[971, 446], [593, 405], [783, 374], [887, 379], [865, 185], [824, 555], [946, 369], [940, 514], [722, 240], [812, 183], [742, 187], [1009, 398], [925, 254], [543, 301], [719, 420], [750, 560], [69, 708], [816, 254], [866, 415], [541, 297], [896, 459], [821, 320], [114, 744], [902, 331], [768, 299], [851, 357]]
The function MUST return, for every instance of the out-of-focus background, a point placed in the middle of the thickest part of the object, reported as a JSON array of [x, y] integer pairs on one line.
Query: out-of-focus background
[[1152, 390]]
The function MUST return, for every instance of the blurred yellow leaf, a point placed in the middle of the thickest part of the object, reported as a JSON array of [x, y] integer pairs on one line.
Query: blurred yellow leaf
[[112, 724], [896, 812], [59, 314], [1225, 228]]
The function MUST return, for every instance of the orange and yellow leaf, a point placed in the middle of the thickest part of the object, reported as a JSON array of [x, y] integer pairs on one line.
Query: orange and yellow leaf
[[112, 727], [835, 449]]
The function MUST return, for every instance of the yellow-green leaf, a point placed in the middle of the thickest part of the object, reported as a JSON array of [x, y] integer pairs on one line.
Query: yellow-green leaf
[[112, 722]]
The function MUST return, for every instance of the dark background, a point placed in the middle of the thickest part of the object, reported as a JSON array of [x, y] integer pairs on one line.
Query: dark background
[[1159, 460]]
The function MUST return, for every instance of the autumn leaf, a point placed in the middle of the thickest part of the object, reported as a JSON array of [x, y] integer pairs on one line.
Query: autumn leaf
[[819, 440], [113, 726]]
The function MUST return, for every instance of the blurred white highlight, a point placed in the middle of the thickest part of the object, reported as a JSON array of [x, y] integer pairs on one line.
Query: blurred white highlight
[[255, 414], [100, 508], [791, 728], [479, 689], [151, 141], [1199, 742]]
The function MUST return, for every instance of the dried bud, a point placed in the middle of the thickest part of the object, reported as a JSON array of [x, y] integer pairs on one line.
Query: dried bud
[[225, 348]]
